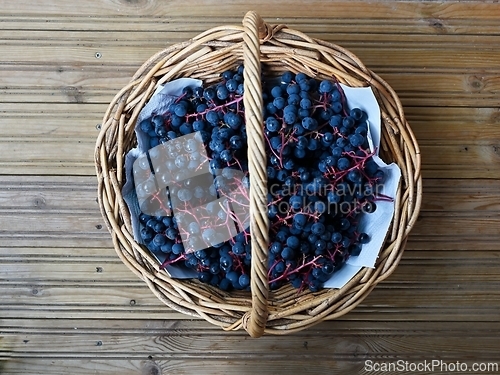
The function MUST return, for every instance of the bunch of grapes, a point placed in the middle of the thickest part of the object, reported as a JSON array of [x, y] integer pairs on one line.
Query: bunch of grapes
[[321, 178]]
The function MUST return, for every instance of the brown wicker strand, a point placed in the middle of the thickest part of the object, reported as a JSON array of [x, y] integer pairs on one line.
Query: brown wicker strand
[[255, 323]]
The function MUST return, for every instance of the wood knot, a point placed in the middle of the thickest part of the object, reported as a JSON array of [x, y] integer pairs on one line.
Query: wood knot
[[495, 116], [133, 3], [74, 94], [39, 202], [150, 367], [475, 83], [437, 25]]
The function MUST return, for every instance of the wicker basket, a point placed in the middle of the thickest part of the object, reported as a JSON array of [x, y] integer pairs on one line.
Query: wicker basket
[[276, 49]]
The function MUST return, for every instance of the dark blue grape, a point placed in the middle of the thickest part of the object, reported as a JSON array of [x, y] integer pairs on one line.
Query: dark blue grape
[[272, 124], [271, 109], [305, 103], [209, 94], [289, 164], [364, 238], [224, 284], [186, 128], [344, 224], [287, 77], [305, 85], [355, 250], [309, 123], [232, 85], [356, 140], [233, 120], [238, 248], [289, 118], [325, 87], [241, 89], [300, 77], [313, 144], [276, 91], [280, 267], [293, 99], [354, 176], [226, 262], [369, 207], [212, 117], [293, 242], [288, 253], [244, 280], [222, 92], [177, 249], [337, 107], [161, 131], [348, 122], [227, 74], [356, 114], [147, 234], [279, 102], [343, 164]]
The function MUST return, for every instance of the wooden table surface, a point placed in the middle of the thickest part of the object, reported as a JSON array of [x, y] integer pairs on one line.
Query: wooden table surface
[[69, 306]]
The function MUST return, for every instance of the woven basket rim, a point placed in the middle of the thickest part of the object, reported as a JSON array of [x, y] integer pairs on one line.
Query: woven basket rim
[[279, 48]]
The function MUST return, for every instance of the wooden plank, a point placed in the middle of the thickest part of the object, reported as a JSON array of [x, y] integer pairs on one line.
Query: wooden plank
[[81, 298], [58, 253], [158, 30], [435, 246], [174, 346], [449, 226], [462, 200], [360, 313], [206, 8], [347, 24], [59, 272], [52, 222], [342, 33], [28, 198], [407, 292], [56, 240], [146, 327], [219, 346], [189, 366], [373, 57], [455, 156]]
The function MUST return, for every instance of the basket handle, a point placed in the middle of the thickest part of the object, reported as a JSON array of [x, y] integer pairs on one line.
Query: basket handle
[[255, 320]]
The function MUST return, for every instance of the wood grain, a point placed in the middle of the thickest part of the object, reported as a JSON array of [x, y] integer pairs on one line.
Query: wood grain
[[67, 303]]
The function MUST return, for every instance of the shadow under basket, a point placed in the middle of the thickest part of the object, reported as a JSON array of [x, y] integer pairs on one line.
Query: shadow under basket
[[268, 49]]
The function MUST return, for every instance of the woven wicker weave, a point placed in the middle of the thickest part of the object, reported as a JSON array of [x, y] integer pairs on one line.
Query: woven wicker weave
[[275, 49]]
